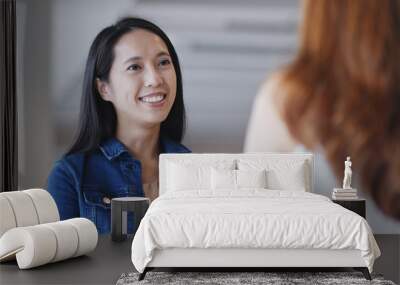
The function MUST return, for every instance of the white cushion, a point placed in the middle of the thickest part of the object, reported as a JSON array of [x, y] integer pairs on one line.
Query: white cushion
[[186, 175], [223, 179], [189, 177], [7, 218], [235, 179], [67, 237], [32, 246], [251, 178], [292, 171], [23, 208], [31, 232], [87, 235], [281, 174], [40, 244], [45, 205], [26, 208]]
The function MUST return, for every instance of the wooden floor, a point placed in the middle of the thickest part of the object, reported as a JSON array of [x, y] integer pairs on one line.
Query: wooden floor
[[389, 262]]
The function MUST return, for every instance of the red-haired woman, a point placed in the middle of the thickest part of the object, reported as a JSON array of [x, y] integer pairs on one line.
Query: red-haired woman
[[341, 94]]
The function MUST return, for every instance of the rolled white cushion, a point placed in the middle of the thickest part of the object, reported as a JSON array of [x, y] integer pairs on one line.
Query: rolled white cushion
[[87, 235], [45, 205], [7, 218], [40, 244], [33, 246], [23, 208], [67, 240], [26, 208]]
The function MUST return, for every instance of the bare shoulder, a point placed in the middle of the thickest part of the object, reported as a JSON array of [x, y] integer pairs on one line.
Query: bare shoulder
[[273, 80], [272, 90], [266, 119]]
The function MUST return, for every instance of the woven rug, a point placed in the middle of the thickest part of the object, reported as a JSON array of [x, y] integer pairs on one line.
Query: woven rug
[[230, 278]]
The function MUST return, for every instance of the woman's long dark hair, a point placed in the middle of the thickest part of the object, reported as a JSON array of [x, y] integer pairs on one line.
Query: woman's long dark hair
[[97, 119]]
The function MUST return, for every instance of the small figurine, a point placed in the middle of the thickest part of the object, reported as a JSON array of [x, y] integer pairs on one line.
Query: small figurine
[[347, 174]]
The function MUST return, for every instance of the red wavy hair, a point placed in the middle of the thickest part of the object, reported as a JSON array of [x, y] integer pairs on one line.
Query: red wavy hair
[[343, 91]]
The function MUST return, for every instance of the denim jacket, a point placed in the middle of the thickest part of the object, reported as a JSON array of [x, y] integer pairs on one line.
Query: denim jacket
[[83, 185]]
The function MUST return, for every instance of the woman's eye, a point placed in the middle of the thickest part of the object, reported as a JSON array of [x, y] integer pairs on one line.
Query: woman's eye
[[134, 67], [164, 62]]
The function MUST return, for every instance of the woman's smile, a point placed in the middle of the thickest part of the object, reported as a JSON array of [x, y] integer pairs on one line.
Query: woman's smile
[[154, 99], [142, 84]]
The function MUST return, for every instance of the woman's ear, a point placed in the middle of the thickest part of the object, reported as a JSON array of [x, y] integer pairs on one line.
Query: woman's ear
[[103, 89]]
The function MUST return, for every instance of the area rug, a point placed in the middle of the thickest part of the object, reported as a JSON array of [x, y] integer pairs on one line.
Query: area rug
[[269, 278]]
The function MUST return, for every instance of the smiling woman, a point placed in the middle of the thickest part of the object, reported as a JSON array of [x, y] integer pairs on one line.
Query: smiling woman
[[131, 111]]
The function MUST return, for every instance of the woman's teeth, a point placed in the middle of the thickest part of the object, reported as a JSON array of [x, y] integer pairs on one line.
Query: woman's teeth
[[153, 99]]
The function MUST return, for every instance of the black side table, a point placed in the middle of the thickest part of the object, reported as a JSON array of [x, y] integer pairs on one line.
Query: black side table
[[356, 205], [119, 209]]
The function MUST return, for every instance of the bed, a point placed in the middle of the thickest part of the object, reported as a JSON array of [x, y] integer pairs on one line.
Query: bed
[[246, 211]]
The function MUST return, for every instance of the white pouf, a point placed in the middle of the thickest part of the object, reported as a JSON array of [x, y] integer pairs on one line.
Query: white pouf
[[31, 232], [40, 244]]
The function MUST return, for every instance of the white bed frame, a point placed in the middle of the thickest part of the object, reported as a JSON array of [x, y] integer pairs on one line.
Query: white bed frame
[[252, 258]]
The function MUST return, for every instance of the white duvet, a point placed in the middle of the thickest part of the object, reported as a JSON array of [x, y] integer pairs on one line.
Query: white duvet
[[251, 218]]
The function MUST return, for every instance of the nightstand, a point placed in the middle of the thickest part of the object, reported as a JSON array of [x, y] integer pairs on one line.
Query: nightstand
[[119, 211], [356, 205]]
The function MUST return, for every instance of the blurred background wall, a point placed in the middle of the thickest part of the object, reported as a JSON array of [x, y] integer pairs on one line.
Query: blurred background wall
[[226, 48]]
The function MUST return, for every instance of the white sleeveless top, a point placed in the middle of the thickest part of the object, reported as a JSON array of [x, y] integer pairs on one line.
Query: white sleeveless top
[[266, 130]]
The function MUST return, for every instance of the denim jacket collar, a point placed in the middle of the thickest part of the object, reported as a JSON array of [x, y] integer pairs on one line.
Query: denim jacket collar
[[113, 148]]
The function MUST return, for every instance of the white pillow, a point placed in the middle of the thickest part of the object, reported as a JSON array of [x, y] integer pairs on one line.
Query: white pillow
[[186, 175], [181, 177], [282, 174], [251, 178], [223, 179], [236, 179]]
